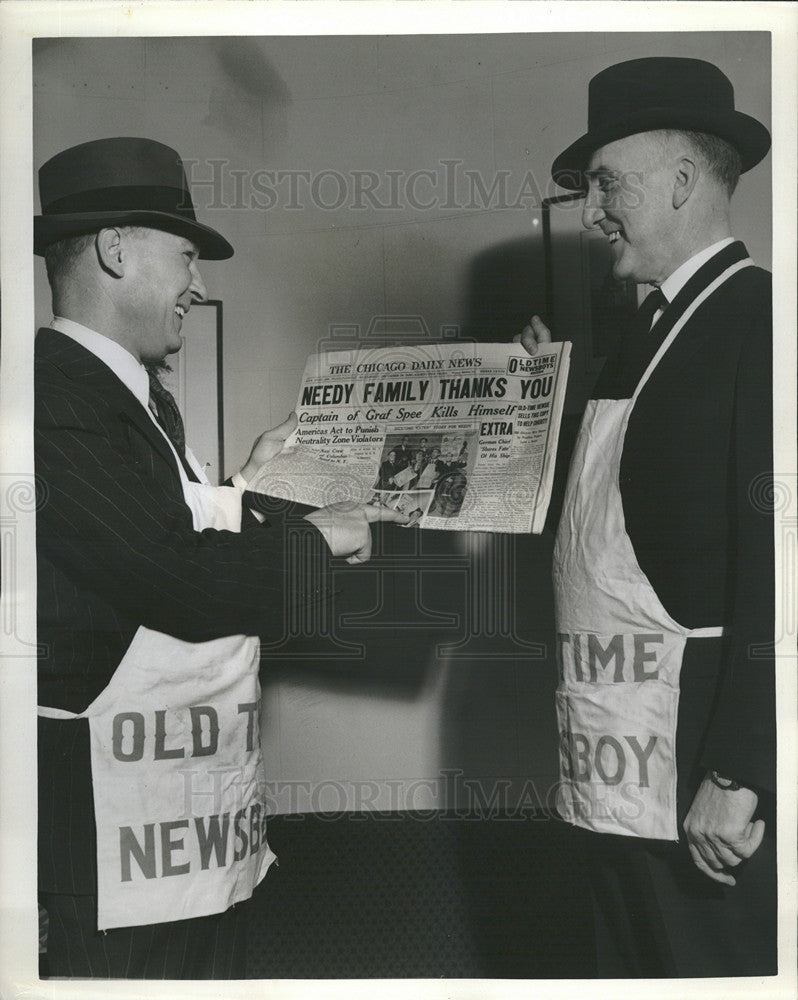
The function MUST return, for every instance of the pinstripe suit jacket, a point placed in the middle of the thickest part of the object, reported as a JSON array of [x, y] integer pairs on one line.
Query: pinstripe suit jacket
[[116, 549]]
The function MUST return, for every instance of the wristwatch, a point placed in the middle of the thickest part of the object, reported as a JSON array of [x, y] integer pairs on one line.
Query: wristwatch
[[725, 783]]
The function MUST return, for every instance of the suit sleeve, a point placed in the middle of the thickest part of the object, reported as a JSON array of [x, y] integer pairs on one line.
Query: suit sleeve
[[741, 738], [258, 508], [110, 523]]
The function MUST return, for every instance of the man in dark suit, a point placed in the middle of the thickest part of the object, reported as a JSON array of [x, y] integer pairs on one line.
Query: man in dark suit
[[388, 470], [404, 454], [664, 558], [131, 543]]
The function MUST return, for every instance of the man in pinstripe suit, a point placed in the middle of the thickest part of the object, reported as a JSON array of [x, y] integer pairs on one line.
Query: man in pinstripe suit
[[117, 548]]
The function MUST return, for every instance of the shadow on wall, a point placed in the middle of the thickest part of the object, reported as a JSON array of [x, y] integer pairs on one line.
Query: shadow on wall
[[378, 635], [506, 284], [501, 674], [580, 301], [248, 75]]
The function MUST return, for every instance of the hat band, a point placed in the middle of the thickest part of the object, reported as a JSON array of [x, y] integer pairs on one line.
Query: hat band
[[145, 198]]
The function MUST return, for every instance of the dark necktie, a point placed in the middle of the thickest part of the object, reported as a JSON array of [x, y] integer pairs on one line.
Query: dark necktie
[[641, 324], [163, 403], [638, 346]]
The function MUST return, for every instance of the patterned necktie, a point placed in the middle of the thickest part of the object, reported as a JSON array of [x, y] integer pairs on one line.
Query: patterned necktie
[[163, 402]]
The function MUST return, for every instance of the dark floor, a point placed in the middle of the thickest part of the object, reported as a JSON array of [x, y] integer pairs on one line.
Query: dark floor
[[420, 896]]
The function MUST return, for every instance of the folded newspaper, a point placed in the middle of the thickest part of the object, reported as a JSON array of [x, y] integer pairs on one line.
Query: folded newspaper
[[458, 436]]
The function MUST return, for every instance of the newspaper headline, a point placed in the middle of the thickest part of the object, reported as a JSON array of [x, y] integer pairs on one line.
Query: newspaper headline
[[457, 436]]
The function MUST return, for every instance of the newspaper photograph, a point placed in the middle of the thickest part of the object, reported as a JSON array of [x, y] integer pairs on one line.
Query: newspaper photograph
[[458, 436]]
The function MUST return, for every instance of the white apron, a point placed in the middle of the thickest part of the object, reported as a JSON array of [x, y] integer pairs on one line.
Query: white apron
[[619, 651], [177, 772]]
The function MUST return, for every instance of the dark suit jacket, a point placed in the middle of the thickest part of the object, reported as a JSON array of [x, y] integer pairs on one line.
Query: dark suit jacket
[[695, 482], [116, 549]]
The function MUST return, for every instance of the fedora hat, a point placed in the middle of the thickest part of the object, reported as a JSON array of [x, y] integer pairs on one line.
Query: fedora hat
[[119, 182], [660, 92]]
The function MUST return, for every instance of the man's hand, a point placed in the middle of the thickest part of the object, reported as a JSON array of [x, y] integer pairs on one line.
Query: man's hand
[[269, 444], [533, 336], [346, 530], [719, 829]]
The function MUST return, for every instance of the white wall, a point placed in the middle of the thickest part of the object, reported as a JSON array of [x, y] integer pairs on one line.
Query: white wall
[[495, 104]]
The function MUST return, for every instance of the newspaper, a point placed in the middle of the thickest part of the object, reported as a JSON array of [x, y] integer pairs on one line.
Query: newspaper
[[458, 436]]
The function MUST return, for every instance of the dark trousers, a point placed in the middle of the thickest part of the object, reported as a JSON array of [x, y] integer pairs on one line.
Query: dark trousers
[[213, 947], [656, 914]]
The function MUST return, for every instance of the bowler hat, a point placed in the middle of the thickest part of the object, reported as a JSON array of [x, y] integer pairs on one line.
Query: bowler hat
[[660, 92], [119, 182]]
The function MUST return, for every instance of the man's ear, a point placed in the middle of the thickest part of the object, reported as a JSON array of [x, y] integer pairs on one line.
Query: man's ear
[[686, 176], [110, 246]]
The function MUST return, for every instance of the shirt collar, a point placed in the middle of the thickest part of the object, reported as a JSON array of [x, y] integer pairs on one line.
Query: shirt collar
[[673, 284], [127, 369]]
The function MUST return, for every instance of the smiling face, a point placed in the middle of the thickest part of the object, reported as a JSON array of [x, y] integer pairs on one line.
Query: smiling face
[[161, 281], [630, 198]]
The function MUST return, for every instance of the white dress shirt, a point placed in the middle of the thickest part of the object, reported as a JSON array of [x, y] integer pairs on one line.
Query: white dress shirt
[[675, 282], [127, 369]]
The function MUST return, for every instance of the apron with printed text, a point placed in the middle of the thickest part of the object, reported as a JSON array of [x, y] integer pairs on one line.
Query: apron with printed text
[[619, 651], [177, 771]]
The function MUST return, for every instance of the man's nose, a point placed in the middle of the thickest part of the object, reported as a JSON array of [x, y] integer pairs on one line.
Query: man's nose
[[592, 213], [198, 290]]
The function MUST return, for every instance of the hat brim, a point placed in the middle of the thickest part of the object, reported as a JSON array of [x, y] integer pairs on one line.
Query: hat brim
[[748, 136], [47, 229]]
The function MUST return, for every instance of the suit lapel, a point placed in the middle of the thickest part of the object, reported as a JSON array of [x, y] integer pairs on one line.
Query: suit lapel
[[693, 335], [80, 365]]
